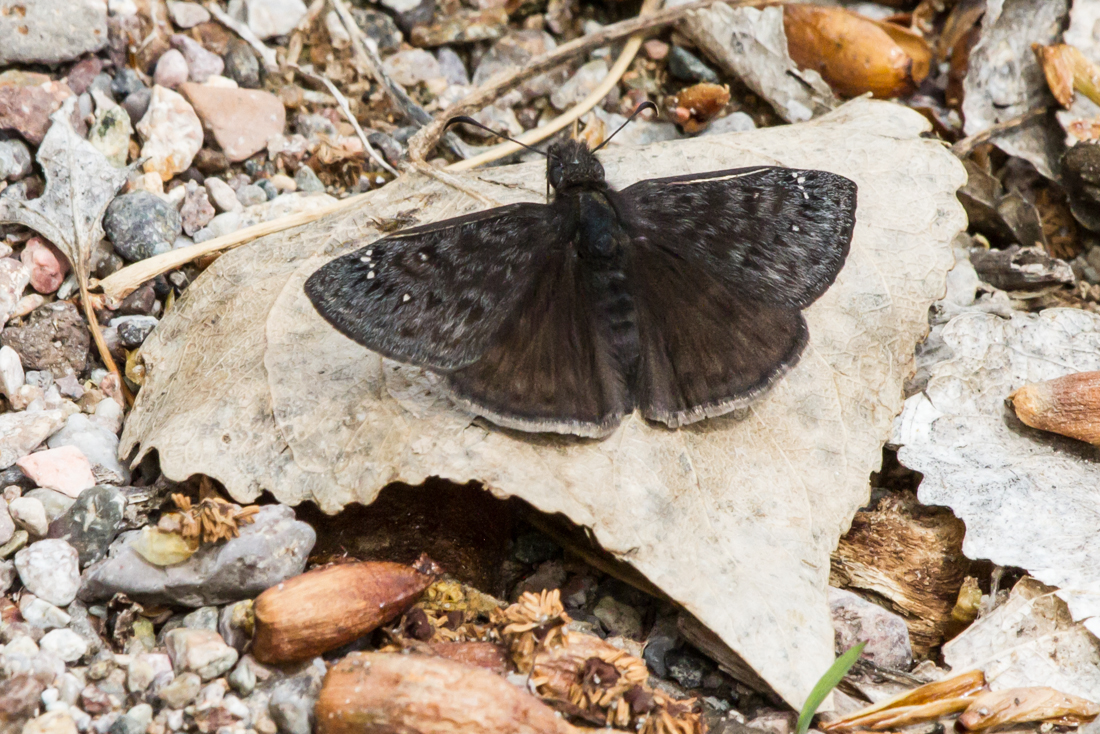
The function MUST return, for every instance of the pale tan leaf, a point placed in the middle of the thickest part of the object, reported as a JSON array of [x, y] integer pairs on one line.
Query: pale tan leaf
[[734, 517]]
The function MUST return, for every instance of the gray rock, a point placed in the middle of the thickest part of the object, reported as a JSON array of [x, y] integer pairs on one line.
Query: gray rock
[[56, 503], [203, 618], [15, 159], [580, 85], [232, 623], [145, 668], [242, 678], [29, 514], [663, 637], [49, 569], [137, 104], [134, 330], [21, 433], [451, 66], [7, 524], [737, 122], [186, 14], [96, 442], [618, 618], [202, 64], [7, 575], [306, 180], [54, 337], [91, 523], [857, 620], [199, 651], [271, 18], [126, 82], [141, 225], [686, 667], [127, 724], [82, 625], [251, 195], [222, 195], [268, 188], [51, 31], [292, 700], [241, 64], [40, 613], [171, 70], [685, 65], [379, 27], [271, 550], [181, 691]]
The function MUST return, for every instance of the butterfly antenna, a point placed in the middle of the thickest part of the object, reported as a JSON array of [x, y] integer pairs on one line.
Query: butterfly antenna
[[463, 119], [640, 109]]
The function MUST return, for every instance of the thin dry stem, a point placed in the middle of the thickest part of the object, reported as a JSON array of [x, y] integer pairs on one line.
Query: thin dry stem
[[267, 55], [342, 101], [97, 336], [421, 144], [963, 148], [121, 284], [630, 50]]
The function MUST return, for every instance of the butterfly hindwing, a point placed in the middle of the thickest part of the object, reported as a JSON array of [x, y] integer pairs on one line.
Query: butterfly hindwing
[[551, 367], [437, 295], [776, 235], [705, 350]]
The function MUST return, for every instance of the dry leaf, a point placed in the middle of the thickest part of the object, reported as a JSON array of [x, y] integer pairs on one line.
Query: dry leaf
[[1004, 79], [248, 385], [750, 44], [1028, 497], [80, 183], [1030, 640], [1023, 705], [1082, 120]]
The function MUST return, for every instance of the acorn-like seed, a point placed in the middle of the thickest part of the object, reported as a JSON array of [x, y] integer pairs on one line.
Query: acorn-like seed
[[1068, 405], [324, 609]]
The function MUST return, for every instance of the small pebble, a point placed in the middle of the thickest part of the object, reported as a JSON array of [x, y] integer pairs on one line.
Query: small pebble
[[7, 524], [451, 66], [186, 14], [137, 104], [283, 184], [172, 133], [56, 503], [91, 523], [241, 64], [251, 195], [684, 65], [15, 160], [412, 66], [29, 514], [196, 211], [126, 82], [14, 277], [268, 188], [111, 131], [63, 644], [199, 651], [201, 64], [222, 196], [65, 469], [145, 668], [241, 121], [655, 49], [271, 18], [53, 722], [306, 180], [580, 85], [171, 69], [141, 225], [40, 613], [47, 265], [50, 570]]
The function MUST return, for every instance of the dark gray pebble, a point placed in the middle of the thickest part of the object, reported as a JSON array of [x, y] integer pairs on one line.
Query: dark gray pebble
[[688, 67], [134, 330], [125, 83], [91, 523], [141, 225], [136, 104], [306, 180], [241, 64]]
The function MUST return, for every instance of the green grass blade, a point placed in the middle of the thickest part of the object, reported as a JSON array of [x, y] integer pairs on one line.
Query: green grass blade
[[827, 683]]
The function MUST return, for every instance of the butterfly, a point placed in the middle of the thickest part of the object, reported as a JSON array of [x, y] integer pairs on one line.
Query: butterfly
[[679, 297]]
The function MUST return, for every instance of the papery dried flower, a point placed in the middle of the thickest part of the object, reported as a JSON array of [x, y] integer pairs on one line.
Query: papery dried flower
[[211, 520]]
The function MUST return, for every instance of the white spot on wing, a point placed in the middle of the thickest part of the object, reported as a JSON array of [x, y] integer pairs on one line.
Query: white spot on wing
[[370, 275], [406, 298]]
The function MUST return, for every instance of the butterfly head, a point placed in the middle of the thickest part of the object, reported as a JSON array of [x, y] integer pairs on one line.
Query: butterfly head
[[570, 163]]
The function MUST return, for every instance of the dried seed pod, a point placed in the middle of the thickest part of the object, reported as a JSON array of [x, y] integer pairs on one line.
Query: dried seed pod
[[855, 54], [1068, 405], [368, 693], [1019, 705], [694, 107], [324, 609]]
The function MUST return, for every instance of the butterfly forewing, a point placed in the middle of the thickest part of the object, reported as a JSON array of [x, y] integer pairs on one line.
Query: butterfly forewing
[[437, 295], [777, 235]]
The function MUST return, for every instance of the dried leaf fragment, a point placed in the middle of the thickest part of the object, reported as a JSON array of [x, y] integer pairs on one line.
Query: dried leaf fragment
[[1067, 405], [329, 607], [855, 54], [924, 703], [1067, 70], [379, 693], [1019, 705]]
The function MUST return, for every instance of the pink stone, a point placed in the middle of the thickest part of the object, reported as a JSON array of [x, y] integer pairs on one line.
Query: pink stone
[[171, 69], [240, 120], [65, 469], [47, 264]]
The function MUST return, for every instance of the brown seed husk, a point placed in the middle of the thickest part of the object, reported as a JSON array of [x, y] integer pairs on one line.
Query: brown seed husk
[[1068, 405], [855, 54], [381, 693], [324, 609], [1019, 705]]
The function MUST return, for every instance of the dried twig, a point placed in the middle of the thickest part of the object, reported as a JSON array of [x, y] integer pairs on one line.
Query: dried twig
[[267, 55], [342, 101], [964, 147], [119, 285], [630, 50], [421, 144]]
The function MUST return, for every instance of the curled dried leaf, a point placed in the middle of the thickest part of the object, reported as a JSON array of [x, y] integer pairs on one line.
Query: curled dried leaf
[[1067, 70], [924, 703], [1019, 705]]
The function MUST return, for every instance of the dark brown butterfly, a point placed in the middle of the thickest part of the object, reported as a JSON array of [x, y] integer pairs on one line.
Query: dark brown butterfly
[[680, 297]]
